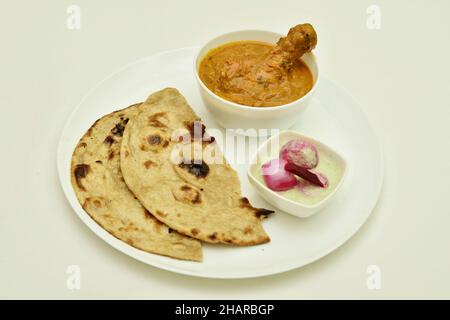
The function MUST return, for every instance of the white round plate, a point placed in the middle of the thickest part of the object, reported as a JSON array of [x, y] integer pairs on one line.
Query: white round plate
[[333, 118]]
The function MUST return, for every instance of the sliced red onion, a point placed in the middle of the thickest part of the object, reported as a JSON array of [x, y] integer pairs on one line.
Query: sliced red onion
[[301, 153], [316, 178], [276, 177]]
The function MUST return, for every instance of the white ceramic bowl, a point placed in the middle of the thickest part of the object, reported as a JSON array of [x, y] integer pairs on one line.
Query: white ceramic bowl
[[235, 116], [295, 208]]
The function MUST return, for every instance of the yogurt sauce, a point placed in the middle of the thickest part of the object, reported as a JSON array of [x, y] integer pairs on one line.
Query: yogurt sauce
[[305, 192]]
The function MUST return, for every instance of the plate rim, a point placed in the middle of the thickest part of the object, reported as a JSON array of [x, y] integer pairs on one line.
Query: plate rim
[[128, 250]]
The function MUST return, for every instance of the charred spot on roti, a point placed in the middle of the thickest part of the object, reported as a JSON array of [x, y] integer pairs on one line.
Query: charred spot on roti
[[154, 139], [197, 131], [262, 213], [199, 170], [245, 203], [187, 194], [118, 130], [149, 163], [195, 231], [111, 155], [161, 214], [213, 236], [123, 119], [85, 203], [126, 153], [248, 230], [99, 162], [97, 203], [259, 212], [156, 120], [82, 145], [197, 198], [80, 172], [109, 140], [169, 230], [153, 142], [147, 214]]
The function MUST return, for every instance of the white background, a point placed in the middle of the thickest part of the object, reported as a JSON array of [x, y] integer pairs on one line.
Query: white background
[[399, 74]]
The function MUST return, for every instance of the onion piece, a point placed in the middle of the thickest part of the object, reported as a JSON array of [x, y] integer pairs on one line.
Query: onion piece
[[316, 178], [301, 153], [276, 177]]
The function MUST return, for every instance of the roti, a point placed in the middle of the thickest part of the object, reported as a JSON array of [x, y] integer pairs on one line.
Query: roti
[[100, 188], [193, 194]]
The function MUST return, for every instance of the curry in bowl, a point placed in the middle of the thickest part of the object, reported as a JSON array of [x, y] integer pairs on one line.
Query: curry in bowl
[[260, 74]]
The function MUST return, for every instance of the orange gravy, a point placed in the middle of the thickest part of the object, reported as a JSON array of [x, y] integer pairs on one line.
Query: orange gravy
[[233, 72]]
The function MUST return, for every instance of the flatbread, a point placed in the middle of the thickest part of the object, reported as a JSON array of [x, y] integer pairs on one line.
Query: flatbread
[[103, 194], [201, 200]]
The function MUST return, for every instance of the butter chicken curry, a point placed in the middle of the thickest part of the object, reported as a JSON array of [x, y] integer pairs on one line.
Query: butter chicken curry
[[260, 74]]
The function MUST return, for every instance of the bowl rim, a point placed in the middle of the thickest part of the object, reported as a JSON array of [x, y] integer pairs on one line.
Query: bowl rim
[[244, 107], [278, 196]]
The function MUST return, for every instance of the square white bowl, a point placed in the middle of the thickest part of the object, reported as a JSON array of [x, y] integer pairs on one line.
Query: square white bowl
[[277, 200]]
